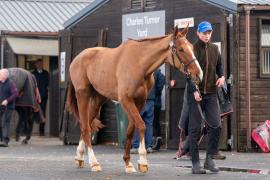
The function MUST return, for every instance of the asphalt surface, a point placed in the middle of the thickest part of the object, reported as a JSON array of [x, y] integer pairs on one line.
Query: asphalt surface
[[47, 158]]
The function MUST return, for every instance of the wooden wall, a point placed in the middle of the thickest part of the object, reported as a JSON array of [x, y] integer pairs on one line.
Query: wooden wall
[[260, 93]]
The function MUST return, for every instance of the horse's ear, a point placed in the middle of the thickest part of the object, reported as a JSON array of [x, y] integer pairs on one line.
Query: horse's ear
[[175, 31], [185, 31]]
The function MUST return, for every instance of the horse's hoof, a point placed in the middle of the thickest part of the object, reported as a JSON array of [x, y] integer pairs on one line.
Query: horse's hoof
[[130, 168], [79, 163], [143, 168], [96, 167], [24, 141]]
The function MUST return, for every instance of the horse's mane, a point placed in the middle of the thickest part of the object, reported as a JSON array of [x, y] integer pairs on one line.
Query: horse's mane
[[148, 38]]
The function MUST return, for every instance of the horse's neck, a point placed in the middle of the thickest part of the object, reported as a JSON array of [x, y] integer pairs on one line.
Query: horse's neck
[[157, 54]]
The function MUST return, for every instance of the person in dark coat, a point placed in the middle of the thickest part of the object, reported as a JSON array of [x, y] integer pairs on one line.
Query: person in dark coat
[[205, 99], [8, 94], [159, 84], [42, 77]]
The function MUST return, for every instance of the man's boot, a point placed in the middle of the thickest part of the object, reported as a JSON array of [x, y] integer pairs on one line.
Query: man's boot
[[197, 169], [218, 156], [209, 164]]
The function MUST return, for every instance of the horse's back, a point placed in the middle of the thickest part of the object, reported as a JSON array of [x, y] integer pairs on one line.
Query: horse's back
[[89, 55], [93, 66]]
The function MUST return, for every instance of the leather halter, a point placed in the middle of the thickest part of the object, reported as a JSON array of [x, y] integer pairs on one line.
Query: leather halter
[[173, 51]]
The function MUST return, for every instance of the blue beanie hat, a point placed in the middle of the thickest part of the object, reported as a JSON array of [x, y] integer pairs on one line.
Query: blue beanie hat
[[204, 26]]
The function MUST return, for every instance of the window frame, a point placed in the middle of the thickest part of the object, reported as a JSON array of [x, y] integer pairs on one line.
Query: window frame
[[136, 8], [143, 5], [262, 48]]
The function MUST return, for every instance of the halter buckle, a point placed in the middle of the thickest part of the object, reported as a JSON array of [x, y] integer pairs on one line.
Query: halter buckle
[[171, 44]]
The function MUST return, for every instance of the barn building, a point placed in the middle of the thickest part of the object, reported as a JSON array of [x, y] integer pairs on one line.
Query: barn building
[[241, 30]]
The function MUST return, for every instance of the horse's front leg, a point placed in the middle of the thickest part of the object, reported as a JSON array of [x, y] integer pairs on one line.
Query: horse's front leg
[[130, 132], [132, 111]]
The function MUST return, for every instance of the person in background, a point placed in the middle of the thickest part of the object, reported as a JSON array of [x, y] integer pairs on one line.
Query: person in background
[[205, 99], [42, 77], [8, 94], [159, 84], [147, 115]]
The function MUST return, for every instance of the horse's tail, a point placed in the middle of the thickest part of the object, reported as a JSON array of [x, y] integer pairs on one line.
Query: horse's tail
[[96, 125], [72, 105]]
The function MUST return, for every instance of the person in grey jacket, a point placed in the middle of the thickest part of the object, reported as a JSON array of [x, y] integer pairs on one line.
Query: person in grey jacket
[[8, 94]]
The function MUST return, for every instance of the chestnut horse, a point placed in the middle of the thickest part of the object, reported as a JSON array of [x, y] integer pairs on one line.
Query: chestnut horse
[[123, 74]]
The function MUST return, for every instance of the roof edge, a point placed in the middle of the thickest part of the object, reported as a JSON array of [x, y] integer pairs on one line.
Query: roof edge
[[19, 33], [224, 4], [83, 13]]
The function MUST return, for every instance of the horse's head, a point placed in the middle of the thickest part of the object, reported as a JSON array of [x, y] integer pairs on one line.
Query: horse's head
[[182, 55]]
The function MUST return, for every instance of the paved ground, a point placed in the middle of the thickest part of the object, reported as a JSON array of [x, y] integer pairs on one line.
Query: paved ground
[[47, 158]]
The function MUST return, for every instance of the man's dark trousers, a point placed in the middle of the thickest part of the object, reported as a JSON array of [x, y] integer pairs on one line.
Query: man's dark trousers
[[5, 118], [211, 110], [42, 124]]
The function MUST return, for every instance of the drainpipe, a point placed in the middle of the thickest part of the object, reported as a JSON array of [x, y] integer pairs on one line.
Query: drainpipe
[[2, 49], [247, 10]]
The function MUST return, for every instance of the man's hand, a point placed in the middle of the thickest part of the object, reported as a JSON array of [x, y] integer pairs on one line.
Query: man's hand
[[220, 82], [4, 103], [197, 96]]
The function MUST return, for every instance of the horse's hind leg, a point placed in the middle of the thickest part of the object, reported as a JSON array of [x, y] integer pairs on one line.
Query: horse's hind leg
[[29, 122], [82, 101], [88, 109], [95, 103], [20, 123], [79, 158]]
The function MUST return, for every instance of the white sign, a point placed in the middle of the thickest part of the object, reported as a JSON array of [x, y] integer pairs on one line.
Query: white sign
[[142, 25], [182, 23], [63, 66]]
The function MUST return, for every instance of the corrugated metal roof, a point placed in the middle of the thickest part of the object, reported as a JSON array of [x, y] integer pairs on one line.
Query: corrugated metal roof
[[255, 2], [232, 5], [84, 13], [38, 15]]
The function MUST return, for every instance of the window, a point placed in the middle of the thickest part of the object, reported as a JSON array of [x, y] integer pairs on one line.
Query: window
[[141, 4], [265, 48], [150, 3], [136, 4]]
